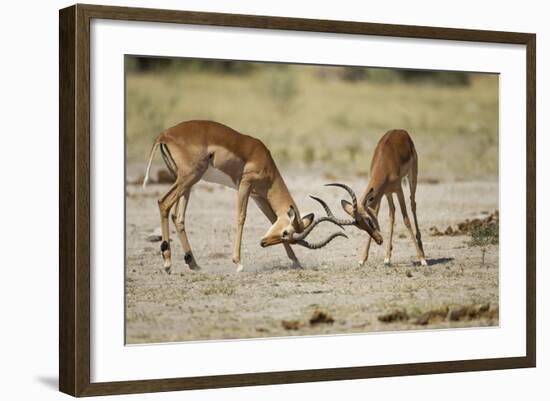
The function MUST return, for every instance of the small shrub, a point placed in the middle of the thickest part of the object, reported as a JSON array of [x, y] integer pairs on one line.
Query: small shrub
[[483, 236]]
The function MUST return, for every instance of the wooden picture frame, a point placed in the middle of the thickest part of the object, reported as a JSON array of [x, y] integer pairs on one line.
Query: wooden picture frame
[[74, 200]]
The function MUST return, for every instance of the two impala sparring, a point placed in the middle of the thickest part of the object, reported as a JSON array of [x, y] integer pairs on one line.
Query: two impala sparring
[[394, 159], [213, 152]]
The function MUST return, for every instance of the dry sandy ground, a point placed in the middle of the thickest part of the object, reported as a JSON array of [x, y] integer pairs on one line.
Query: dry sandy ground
[[269, 299]]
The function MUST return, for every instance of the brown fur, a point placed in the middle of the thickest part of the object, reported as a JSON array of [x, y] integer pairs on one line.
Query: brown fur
[[193, 146], [394, 159]]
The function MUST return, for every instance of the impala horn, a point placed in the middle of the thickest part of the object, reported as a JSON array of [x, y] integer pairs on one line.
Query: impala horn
[[340, 222], [317, 245], [300, 237], [352, 196]]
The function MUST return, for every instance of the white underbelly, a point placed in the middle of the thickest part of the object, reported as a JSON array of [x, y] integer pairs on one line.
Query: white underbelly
[[218, 177]]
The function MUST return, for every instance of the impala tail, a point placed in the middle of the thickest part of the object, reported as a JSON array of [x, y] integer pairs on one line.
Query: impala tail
[[168, 160], [148, 170]]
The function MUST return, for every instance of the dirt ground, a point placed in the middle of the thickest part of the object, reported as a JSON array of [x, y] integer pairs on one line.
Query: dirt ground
[[330, 294]]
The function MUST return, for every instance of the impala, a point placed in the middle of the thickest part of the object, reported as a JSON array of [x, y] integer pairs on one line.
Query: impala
[[394, 159], [213, 152]]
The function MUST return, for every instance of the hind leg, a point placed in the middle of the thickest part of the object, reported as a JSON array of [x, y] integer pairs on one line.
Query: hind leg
[[412, 184], [263, 205], [166, 202], [403, 206], [178, 217]]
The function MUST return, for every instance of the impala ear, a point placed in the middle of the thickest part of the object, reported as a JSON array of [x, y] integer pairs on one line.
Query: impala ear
[[308, 219], [291, 214], [348, 207]]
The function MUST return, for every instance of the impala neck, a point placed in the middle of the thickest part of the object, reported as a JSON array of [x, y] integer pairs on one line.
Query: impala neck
[[279, 197]]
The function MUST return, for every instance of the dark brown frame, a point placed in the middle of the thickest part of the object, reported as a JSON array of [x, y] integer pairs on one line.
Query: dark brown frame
[[74, 199]]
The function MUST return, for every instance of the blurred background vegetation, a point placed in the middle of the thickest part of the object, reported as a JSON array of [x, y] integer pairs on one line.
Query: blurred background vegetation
[[321, 117]]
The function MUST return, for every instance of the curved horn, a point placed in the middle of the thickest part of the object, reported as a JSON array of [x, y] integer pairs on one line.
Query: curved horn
[[330, 217], [372, 217], [370, 212], [348, 190], [308, 229], [317, 245], [340, 222]]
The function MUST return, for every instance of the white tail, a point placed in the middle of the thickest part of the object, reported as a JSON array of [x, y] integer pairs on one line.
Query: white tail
[[146, 179], [210, 151]]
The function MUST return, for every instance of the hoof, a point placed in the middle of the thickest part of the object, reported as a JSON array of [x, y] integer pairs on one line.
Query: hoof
[[387, 262], [423, 262], [240, 267], [296, 264], [360, 263], [168, 269], [193, 265]]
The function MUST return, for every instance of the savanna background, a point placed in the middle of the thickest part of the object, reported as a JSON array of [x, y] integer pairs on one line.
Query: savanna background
[[321, 124]]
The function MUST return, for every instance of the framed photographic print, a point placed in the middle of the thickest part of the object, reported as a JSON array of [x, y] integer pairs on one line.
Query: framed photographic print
[[250, 200]]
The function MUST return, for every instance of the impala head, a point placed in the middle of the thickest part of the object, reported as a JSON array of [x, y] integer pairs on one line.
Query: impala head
[[365, 220], [284, 228], [362, 218], [287, 229]]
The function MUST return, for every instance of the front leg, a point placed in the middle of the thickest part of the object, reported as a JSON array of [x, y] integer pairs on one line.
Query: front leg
[[243, 194], [292, 256], [389, 247], [419, 251], [369, 239]]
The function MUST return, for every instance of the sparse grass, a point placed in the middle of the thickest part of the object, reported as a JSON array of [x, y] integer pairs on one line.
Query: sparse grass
[[196, 277], [335, 124], [219, 289]]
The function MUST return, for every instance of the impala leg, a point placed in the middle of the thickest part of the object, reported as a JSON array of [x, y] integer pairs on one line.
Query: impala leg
[[389, 246], [292, 256], [367, 247], [412, 184], [178, 217], [403, 206], [242, 203], [166, 202], [266, 209]]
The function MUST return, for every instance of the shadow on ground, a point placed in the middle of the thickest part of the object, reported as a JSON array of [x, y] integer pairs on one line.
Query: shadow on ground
[[439, 261]]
